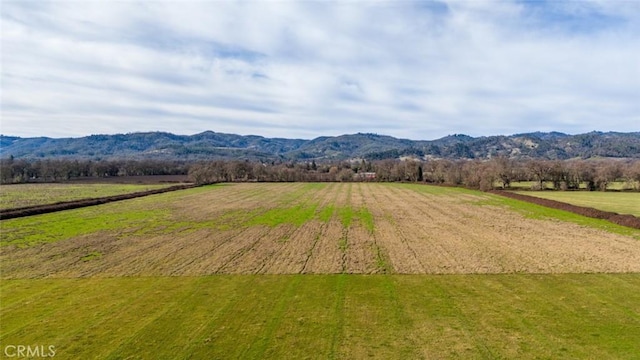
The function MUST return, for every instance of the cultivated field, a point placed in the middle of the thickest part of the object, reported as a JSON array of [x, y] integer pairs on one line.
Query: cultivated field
[[619, 202], [21, 195], [311, 228], [319, 271]]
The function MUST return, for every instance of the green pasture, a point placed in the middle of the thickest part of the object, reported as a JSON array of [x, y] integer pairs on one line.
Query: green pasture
[[327, 316], [619, 202], [20, 195]]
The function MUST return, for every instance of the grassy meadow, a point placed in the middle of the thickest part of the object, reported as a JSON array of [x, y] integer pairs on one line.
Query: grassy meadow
[[20, 195], [328, 316], [619, 202]]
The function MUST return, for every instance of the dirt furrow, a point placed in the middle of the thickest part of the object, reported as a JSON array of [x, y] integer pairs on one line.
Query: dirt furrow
[[360, 252], [296, 250], [326, 256], [252, 259], [402, 256]]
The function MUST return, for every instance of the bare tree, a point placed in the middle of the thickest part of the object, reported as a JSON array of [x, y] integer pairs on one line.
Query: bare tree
[[539, 170], [607, 173], [632, 175], [504, 170]]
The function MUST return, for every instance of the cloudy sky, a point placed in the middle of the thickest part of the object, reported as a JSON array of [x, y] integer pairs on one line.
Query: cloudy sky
[[411, 69]]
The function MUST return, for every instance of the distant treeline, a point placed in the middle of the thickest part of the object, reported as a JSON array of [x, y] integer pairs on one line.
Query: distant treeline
[[54, 170], [500, 172], [476, 174]]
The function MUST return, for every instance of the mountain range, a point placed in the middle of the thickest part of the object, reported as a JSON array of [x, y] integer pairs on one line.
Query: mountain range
[[213, 145]]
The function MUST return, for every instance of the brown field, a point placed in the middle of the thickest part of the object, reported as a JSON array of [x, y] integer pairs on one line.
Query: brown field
[[362, 228]]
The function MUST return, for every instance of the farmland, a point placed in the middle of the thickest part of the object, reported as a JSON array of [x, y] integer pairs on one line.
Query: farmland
[[328, 316], [21, 195], [620, 202], [313, 228], [335, 270]]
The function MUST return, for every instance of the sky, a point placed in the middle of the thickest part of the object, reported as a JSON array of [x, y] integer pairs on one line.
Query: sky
[[301, 69]]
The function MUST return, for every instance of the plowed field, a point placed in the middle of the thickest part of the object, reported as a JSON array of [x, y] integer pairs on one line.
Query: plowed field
[[359, 228]]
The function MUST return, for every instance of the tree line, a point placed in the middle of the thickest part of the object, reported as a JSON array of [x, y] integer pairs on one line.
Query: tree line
[[484, 175], [499, 172], [54, 170]]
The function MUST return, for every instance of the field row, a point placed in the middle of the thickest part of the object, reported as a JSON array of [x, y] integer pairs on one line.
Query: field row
[[359, 228]]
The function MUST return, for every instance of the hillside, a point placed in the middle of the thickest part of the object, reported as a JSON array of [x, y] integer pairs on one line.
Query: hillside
[[212, 145]]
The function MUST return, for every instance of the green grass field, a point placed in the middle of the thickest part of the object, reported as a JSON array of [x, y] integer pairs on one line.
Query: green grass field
[[19, 195], [327, 316], [620, 202]]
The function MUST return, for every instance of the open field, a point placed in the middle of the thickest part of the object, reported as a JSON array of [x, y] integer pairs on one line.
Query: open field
[[21, 195], [619, 202], [569, 316], [314, 228], [174, 276]]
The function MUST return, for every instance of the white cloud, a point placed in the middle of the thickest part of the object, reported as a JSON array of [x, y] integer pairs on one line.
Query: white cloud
[[305, 69]]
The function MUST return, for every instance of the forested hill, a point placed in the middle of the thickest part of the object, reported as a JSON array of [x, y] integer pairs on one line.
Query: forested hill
[[212, 145]]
